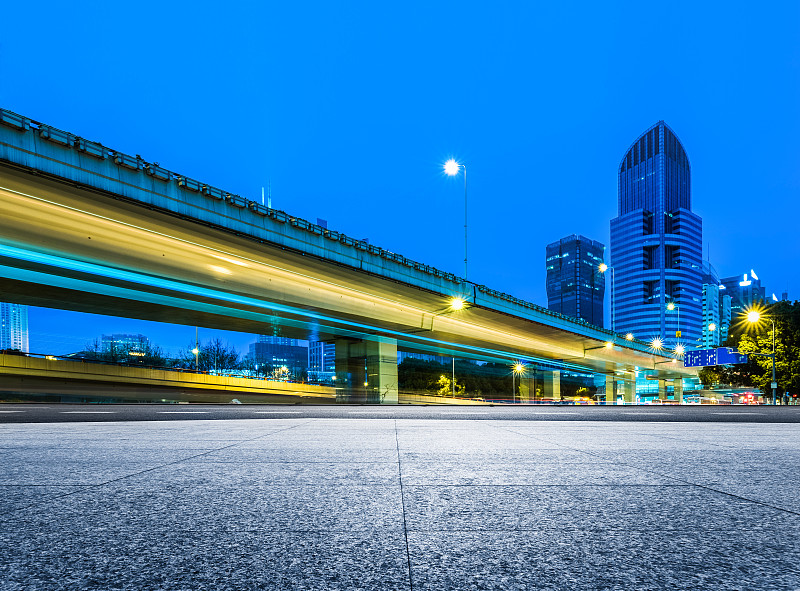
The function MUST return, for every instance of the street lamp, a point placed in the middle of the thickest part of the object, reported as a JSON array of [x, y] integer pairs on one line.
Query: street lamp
[[754, 317], [603, 268], [711, 327], [451, 168], [672, 306], [518, 368]]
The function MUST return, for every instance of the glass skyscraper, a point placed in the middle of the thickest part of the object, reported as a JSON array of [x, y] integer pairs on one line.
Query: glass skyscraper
[[575, 285], [13, 326], [656, 243]]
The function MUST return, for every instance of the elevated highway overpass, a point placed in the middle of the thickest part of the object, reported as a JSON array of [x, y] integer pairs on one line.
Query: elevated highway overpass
[[87, 228]]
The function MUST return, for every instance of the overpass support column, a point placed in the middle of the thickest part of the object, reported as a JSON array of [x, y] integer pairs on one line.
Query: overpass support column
[[366, 371], [552, 385], [662, 390], [381, 372], [629, 392], [526, 389], [611, 396], [677, 385]]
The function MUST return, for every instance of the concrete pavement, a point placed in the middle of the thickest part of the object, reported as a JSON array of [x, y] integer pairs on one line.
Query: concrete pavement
[[399, 503]]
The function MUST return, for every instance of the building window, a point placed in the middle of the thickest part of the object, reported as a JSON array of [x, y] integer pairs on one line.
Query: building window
[[648, 223], [650, 290]]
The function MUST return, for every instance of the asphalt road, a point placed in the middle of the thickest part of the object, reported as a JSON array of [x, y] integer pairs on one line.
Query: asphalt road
[[80, 413]]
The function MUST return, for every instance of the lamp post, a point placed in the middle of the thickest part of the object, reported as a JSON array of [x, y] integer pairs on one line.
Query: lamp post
[[754, 317], [673, 306], [451, 168], [517, 369], [711, 328], [454, 377], [196, 351], [603, 268]]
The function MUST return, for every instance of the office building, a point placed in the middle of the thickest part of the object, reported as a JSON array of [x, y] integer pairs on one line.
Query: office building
[[14, 327], [321, 361], [745, 291], [575, 283], [656, 243], [716, 310], [137, 343], [276, 352]]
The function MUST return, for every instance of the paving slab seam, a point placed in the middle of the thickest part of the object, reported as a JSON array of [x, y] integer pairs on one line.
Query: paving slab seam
[[5, 513], [403, 505], [668, 476], [691, 440], [599, 485]]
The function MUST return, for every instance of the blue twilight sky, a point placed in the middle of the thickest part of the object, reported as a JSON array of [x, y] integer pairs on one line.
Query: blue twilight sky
[[349, 110]]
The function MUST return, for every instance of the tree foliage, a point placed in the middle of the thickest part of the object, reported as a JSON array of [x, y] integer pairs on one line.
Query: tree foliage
[[145, 354], [213, 356], [757, 372]]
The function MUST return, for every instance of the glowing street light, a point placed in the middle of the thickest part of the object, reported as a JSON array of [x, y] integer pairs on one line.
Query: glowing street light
[[451, 168], [629, 336], [754, 317], [679, 349], [657, 344], [712, 327], [457, 304]]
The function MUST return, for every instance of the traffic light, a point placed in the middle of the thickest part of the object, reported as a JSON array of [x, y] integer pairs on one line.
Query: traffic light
[[677, 334]]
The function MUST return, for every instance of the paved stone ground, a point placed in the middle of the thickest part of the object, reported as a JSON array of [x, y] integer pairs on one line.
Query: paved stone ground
[[399, 504]]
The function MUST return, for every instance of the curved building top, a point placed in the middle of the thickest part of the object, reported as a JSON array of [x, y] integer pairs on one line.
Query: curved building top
[[655, 173]]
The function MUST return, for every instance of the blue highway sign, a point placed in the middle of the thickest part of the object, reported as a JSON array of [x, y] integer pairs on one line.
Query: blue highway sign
[[709, 357]]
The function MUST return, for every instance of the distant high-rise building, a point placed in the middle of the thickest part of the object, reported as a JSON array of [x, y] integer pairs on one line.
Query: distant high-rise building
[[656, 243], [716, 310], [14, 327], [124, 342], [321, 361], [575, 284], [278, 352], [745, 290]]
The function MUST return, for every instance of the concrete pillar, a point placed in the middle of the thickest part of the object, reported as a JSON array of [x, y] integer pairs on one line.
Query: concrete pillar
[[677, 385], [611, 395], [629, 391], [552, 385], [526, 388], [381, 372], [366, 371], [662, 390]]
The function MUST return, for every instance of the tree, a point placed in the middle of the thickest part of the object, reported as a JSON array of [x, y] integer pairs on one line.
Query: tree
[[212, 356], [747, 338], [144, 354]]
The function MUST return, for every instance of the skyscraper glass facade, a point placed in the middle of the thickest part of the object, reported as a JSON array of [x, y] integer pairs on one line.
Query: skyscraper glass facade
[[575, 284], [14, 326], [656, 243]]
